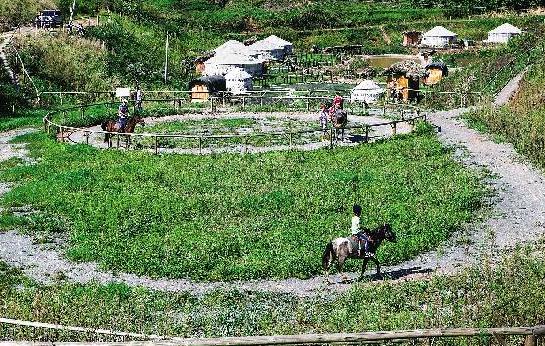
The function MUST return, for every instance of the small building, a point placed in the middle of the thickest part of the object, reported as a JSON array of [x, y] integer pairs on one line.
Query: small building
[[238, 81], [404, 80], [204, 87], [412, 38], [503, 33], [367, 91], [438, 37], [436, 71], [221, 64]]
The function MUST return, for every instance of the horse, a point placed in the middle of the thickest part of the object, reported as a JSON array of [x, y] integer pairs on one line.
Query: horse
[[111, 126], [340, 249], [339, 119]]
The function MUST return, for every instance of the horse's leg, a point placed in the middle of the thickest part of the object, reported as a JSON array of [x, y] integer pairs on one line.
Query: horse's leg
[[340, 262], [364, 267], [377, 263]]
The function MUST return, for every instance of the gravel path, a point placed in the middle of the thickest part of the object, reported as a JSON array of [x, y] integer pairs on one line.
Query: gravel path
[[517, 216], [509, 89]]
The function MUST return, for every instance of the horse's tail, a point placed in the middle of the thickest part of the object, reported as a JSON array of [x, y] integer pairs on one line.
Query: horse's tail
[[328, 254]]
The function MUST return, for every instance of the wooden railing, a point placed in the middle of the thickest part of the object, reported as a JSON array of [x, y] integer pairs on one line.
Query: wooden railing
[[527, 336]]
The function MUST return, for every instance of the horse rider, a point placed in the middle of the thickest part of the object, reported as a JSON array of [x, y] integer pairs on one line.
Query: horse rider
[[359, 235], [338, 101], [122, 115]]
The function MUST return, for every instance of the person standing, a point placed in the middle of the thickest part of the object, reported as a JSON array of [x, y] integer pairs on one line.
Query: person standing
[[138, 99], [323, 115]]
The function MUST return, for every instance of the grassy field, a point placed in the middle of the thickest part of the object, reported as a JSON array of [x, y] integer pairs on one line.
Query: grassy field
[[509, 294], [216, 217]]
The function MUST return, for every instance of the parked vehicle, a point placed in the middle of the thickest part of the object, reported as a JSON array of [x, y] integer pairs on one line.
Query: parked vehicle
[[48, 19]]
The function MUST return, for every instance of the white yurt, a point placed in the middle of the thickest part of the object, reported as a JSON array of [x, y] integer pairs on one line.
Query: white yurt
[[231, 46], [367, 91], [503, 33], [438, 37], [222, 64], [238, 81], [279, 42], [266, 50]]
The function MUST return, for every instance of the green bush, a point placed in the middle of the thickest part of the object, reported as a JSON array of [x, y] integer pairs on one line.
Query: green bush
[[66, 62]]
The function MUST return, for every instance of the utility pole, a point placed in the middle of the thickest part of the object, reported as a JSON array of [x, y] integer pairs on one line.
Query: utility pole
[[166, 59], [72, 8]]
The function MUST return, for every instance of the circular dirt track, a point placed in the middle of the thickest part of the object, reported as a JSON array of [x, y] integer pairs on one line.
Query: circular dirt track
[[306, 135]]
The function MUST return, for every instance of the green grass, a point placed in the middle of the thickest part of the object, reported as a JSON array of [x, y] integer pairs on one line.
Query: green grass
[[509, 294], [227, 217], [254, 132]]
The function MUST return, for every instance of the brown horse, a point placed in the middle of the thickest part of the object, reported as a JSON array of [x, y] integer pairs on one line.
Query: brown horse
[[112, 126], [340, 249], [339, 119]]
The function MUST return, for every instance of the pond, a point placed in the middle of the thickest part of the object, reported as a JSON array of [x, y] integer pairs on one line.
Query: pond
[[386, 60]]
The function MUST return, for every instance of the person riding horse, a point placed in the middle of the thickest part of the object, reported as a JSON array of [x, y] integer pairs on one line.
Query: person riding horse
[[123, 115], [359, 235]]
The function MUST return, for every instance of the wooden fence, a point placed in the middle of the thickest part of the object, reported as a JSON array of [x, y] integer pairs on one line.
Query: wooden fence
[[529, 336]]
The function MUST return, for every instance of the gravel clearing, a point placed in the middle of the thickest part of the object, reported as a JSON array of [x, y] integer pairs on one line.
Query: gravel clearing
[[517, 216]]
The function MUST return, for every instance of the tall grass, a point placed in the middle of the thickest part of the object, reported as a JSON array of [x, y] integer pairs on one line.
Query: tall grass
[[522, 121]]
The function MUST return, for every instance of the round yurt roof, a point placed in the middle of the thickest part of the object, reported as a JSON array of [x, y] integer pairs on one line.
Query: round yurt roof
[[237, 74], [439, 31], [232, 59], [506, 28], [277, 41], [230, 46], [367, 84], [264, 45]]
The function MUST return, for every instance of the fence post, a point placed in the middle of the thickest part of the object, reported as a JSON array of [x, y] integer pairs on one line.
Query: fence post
[[117, 145], [331, 138], [367, 128], [62, 133], [86, 134], [394, 128], [156, 145], [127, 141], [82, 112], [200, 145]]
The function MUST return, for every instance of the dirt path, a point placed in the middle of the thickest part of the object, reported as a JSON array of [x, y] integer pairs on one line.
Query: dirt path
[[517, 216], [509, 90]]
